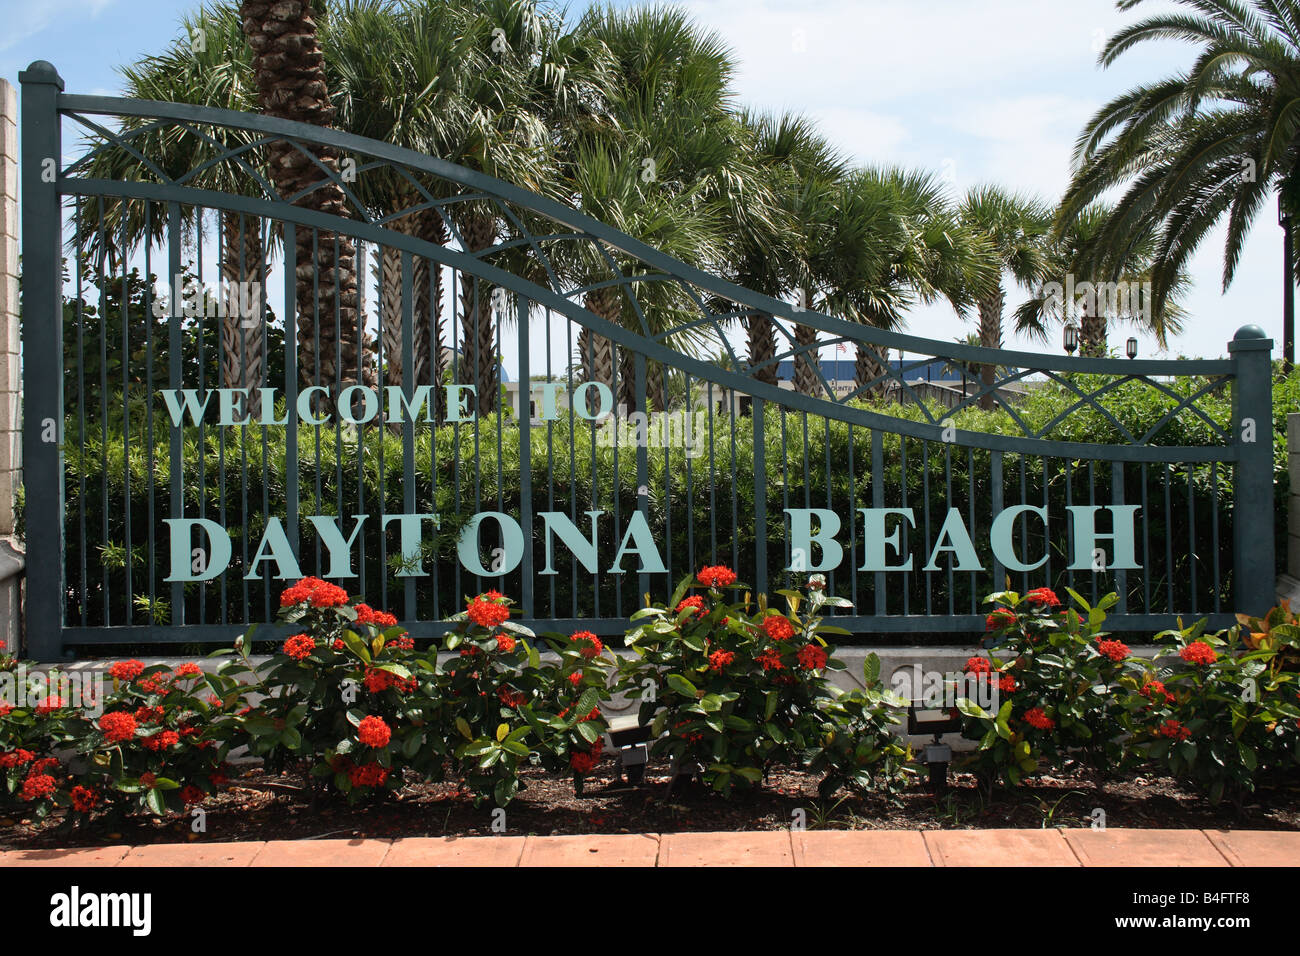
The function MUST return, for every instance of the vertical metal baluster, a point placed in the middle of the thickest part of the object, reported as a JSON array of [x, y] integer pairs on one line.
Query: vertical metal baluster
[[176, 462], [925, 491], [1169, 545], [527, 599], [1117, 498], [1191, 537], [1214, 533], [81, 413], [408, 424]]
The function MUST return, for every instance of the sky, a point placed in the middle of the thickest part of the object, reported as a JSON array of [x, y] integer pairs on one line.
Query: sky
[[993, 91]]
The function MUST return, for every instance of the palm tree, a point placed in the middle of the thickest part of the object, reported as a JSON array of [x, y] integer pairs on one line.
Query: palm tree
[[1072, 253], [665, 167], [787, 152], [216, 73], [1198, 146], [929, 254], [289, 70], [1017, 232]]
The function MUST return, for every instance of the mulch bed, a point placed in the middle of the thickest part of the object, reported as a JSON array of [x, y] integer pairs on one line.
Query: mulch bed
[[263, 806]]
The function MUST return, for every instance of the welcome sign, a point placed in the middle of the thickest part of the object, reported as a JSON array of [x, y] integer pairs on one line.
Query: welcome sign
[[815, 533]]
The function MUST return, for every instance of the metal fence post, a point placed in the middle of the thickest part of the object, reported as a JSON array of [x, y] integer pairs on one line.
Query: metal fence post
[[1253, 508], [42, 158]]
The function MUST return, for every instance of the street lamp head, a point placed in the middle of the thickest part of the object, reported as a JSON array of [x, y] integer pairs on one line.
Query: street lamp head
[[1131, 347], [1070, 337]]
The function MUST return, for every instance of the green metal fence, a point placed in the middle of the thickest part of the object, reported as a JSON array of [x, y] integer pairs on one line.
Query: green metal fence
[[400, 295]]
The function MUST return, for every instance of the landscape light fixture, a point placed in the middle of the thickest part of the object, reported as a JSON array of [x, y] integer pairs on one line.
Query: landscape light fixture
[[1131, 347], [630, 737], [1070, 335], [924, 719]]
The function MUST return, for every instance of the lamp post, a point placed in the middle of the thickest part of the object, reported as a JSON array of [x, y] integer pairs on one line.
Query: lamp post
[[1070, 337], [1131, 347]]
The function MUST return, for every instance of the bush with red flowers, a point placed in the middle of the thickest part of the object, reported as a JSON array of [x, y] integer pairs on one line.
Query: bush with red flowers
[[161, 743], [1220, 712], [496, 692], [346, 671], [567, 722], [1057, 680], [38, 718], [731, 688]]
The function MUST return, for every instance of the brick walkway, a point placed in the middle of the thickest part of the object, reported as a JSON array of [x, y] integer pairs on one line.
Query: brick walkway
[[1115, 847]]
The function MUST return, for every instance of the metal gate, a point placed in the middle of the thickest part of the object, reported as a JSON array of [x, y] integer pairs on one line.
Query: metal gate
[[429, 276]]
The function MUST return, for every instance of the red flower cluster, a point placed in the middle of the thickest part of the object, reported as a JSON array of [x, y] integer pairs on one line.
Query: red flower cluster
[[1007, 684], [1199, 653], [488, 610], [186, 671], [1115, 650], [315, 592], [978, 665], [511, 698], [1043, 597], [378, 680], [49, 705], [161, 740], [770, 660], [148, 715], [1174, 730], [575, 678], [584, 762], [720, 659], [368, 615], [84, 799], [718, 576], [373, 732], [696, 602], [117, 726], [812, 657], [1152, 689], [148, 780], [371, 775], [16, 758], [999, 619], [126, 670], [37, 785], [1037, 717], [300, 646], [505, 643], [403, 642], [778, 628], [191, 794], [589, 645]]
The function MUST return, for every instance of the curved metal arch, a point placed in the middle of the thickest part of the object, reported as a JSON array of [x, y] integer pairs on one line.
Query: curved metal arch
[[660, 267]]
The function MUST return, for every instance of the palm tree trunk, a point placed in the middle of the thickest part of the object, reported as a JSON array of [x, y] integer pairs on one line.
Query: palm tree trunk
[[478, 330], [867, 368], [388, 274], [806, 371], [288, 65], [1092, 335], [243, 348], [761, 334], [595, 352], [990, 313]]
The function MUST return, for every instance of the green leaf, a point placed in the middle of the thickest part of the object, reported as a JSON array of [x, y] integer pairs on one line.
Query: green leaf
[[684, 687]]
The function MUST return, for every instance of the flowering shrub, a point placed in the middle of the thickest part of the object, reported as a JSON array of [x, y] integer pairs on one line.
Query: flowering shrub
[[491, 687], [1056, 676], [857, 749], [570, 726], [732, 690], [347, 698], [1223, 710], [161, 743], [34, 777]]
